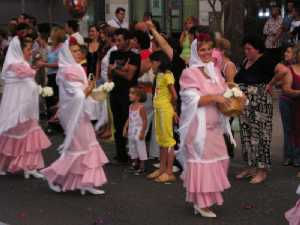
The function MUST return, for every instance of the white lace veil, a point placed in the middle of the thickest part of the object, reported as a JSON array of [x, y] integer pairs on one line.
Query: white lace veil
[[71, 106], [14, 55], [65, 56], [195, 61]]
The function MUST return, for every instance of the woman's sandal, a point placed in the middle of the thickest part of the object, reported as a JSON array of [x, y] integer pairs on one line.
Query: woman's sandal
[[154, 174], [165, 178], [246, 174], [258, 179], [242, 175]]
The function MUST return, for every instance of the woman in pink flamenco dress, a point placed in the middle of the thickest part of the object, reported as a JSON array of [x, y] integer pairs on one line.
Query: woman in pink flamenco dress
[[203, 151], [21, 138], [80, 164], [293, 215]]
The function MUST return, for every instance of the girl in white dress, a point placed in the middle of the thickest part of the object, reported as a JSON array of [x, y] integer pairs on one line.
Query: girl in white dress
[[135, 129]]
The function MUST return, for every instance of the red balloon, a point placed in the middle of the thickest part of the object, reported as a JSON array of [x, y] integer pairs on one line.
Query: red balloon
[[76, 8]]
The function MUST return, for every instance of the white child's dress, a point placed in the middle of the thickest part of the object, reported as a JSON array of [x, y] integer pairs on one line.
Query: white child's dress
[[137, 147]]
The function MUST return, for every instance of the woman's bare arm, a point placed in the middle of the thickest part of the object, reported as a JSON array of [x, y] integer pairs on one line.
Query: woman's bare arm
[[287, 86]]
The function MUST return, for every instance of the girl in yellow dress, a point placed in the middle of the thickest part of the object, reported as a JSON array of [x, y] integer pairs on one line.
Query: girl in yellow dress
[[164, 103]]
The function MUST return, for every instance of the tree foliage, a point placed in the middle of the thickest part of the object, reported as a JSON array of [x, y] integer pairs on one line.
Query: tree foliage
[[218, 14]]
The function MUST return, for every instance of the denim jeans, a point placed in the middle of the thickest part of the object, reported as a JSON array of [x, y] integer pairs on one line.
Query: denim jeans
[[286, 111]]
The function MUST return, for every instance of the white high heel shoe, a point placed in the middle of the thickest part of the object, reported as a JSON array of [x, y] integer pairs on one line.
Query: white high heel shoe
[[92, 191], [33, 173], [54, 188], [203, 213]]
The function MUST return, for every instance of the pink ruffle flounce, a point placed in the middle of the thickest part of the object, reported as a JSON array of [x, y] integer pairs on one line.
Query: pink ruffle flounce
[[204, 182], [73, 171], [293, 215], [23, 153]]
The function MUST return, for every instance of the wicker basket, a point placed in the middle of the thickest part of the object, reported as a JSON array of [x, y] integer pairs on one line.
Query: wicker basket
[[99, 96], [236, 107]]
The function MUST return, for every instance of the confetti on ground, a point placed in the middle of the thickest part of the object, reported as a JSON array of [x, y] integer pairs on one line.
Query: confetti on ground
[[99, 221], [248, 206]]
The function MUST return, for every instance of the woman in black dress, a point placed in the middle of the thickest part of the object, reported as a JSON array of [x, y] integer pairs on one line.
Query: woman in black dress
[[93, 48], [256, 121], [97, 48]]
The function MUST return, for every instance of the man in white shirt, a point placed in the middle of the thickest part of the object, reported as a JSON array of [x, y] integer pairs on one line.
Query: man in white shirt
[[119, 20], [72, 28]]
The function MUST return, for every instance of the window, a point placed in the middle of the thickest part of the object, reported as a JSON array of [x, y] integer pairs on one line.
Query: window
[[179, 10], [190, 8], [137, 9]]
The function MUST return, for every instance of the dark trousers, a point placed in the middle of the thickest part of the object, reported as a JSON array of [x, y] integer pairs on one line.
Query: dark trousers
[[120, 110], [286, 111], [53, 100]]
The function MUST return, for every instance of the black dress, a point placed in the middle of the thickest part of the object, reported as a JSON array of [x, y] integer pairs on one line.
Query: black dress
[[92, 59], [256, 120]]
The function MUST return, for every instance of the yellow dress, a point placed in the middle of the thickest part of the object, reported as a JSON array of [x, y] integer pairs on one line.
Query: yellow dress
[[163, 110]]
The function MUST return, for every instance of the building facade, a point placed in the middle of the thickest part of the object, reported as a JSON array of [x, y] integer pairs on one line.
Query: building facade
[[169, 13], [48, 10]]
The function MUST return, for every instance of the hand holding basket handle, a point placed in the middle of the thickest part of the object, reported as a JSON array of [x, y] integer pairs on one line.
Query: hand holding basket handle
[[91, 86], [236, 101]]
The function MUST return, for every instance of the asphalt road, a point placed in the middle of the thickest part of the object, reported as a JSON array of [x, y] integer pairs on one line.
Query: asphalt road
[[132, 200]]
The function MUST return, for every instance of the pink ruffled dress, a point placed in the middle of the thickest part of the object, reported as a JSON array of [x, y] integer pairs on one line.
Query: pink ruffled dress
[[21, 138], [205, 174], [81, 163], [293, 215]]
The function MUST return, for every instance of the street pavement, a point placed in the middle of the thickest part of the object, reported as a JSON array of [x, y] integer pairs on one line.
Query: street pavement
[[133, 200]]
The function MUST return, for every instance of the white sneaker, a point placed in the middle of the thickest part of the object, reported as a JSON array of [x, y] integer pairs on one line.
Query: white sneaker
[[156, 165], [298, 190], [34, 174], [203, 213], [54, 188], [92, 191], [175, 168], [2, 173]]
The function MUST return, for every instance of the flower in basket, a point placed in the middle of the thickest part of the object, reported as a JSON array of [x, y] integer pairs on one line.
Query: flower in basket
[[106, 87], [45, 91], [40, 89], [100, 93], [109, 86], [233, 92], [237, 102], [237, 92], [228, 94]]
